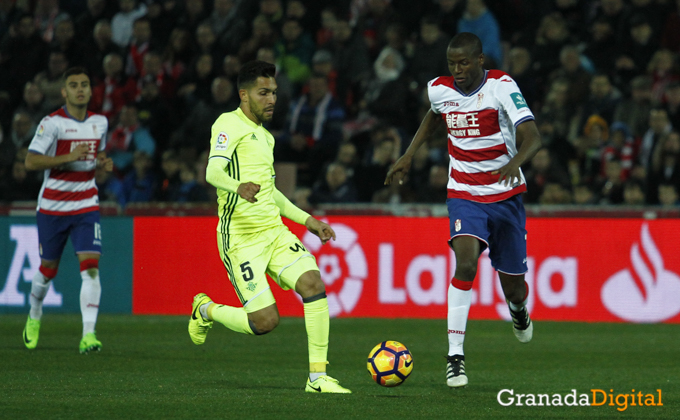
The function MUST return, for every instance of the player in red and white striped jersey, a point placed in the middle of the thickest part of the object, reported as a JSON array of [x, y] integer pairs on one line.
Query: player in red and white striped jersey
[[491, 133], [68, 145]]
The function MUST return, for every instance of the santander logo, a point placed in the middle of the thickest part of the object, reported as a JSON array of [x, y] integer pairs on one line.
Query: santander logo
[[648, 292]]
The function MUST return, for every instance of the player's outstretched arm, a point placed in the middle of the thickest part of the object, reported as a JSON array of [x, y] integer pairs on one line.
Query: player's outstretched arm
[[323, 230], [288, 209], [529, 141], [402, 166], [38, 162], [216, 176]]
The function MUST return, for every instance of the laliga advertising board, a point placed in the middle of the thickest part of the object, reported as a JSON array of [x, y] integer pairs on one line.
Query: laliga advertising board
[[620, 270]]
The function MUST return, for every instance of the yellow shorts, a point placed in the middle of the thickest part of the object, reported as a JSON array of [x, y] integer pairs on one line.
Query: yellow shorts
[[248, 257]]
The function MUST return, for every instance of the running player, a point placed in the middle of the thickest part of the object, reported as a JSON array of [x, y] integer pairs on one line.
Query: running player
[[251, 238], [487, 119], [68, 145]]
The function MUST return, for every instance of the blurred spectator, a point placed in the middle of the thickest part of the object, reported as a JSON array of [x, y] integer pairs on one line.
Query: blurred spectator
[[519, 67], [178, 53], [99, 47], [395, 37], [273, 11], [601, 47], [388, 95], [45, 14], [616, 13], [139, 184], [170, 179], [668, 195], [22, 54], [262, 35], [49, 81], [21, 185], [97, 11], [229, 27], [552, 35], [670, 37], [479, 20], [555, 193], [122, 22], [109, 186], [192, 136], [373, 173], [602, 101], [65, 40], [659, 126], [8, 15], [633, 192], [543, 171], [334, 187], [109, 95], [664, 70], [435, 190], [419, 175], [557, 122], [153, 70], [194, 85], [635, 50], [230, 67], [352, 63], [314, 130], [665, 167], [322, 64], [610, 186], [22, 131], [33, 103], [672, 103], [155, 114], [587, 164], [634, 111], [328, 21], [294, 52], [449, 13], [584, 195], [571, 70], [139, 46], [188, 190], [296, 9], [193, 14], [429, 59], [206, 43], [347, 156], [621, 147], [372, 24], [127, 137]]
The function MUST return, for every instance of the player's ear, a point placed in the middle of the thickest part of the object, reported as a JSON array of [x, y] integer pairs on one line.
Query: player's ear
[[481, 60], [63, 92], [243, 94]]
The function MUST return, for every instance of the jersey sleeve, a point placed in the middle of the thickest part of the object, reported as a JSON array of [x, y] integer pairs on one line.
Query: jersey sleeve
[[512, 101], [44, 137], [224, 137], [434, 105], [104, 128]]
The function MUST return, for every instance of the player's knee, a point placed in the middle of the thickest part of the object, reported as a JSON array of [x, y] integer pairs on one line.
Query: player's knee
[[263, 325], [49, 270], [310, 284], [466, 270]]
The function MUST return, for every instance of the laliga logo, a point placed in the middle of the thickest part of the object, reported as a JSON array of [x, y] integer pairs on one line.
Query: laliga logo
[[659, 297], [331, 271]]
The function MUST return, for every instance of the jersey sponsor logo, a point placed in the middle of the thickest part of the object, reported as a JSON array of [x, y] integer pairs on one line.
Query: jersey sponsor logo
[[450, 103], [71, 130], [222, 141], [645, 295], [91, 148], [473, 124], [519, 101]]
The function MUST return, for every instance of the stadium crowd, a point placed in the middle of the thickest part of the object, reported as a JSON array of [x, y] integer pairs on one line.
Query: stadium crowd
[[602, 78]]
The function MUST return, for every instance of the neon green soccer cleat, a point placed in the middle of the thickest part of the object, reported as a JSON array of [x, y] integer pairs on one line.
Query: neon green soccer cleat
[[326, 384], [198, 327], [31, 332], [90, 343]]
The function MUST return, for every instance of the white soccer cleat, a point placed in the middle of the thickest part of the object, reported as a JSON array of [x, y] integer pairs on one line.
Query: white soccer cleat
[[455, 371], [522, 325]]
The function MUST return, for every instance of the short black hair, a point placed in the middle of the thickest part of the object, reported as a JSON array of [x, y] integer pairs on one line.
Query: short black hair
[[251, 70], [467, 40], [72, 71]]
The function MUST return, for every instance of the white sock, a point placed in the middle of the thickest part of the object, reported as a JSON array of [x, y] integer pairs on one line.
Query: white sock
[[313, 376], [459, 299], [90, 292], [203, 309], [39, 286]]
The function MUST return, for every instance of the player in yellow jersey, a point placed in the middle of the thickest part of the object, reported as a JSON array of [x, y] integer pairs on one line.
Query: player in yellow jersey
[[252, 239]]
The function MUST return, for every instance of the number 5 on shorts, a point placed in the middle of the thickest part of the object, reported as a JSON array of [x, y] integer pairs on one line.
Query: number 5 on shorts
[[246, 271]]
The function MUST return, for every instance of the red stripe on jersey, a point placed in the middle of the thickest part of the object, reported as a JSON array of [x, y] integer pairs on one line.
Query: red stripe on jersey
[[444, 81], [479, 178], [65, 146], [476, 124], [72, 176], [69, 213], [57, 195], [491, 198], [496, 74], [477, 155]]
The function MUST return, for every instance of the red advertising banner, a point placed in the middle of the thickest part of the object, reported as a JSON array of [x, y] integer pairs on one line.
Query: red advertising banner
[[620, 270]]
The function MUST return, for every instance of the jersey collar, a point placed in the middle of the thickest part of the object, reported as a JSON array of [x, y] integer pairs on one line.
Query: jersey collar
[[87, 114], [486, 74], [245, 118]]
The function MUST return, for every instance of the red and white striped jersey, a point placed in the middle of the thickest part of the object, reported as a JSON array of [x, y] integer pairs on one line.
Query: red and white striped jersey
[[481, 127], [69, 189]]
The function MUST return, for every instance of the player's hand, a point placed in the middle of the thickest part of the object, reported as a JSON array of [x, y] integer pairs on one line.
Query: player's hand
[[247, 191], [320, 229], [508, 175], [401, 168], [79, 152], [105, 162]]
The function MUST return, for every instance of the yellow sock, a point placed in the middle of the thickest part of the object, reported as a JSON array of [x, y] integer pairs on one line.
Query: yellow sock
[[317, 325], [236, 319]]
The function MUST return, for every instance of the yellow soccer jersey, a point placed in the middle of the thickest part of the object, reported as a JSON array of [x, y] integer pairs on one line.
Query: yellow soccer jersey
[[248, 153]]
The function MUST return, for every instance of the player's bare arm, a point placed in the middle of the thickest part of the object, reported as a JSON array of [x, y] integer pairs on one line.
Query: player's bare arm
[[38, 162], [320, 229], [247, 191], [104, 162], [529, 141], [402, 166]]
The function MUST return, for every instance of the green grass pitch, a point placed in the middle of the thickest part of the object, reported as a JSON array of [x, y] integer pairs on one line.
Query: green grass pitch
[[149, 369]]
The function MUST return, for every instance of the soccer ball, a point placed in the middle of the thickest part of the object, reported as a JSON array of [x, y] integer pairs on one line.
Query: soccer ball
[[390, 363]]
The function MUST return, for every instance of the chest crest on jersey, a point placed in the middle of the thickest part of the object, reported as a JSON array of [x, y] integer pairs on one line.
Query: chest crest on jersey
[[480, 98]]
